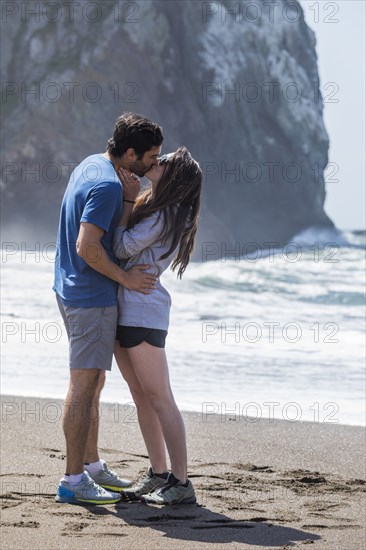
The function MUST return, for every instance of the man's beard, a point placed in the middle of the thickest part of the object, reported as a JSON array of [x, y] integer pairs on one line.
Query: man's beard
[[139, 170], [140, 173]]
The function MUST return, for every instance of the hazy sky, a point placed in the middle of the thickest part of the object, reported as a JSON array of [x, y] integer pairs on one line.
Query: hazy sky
[[341, 60]]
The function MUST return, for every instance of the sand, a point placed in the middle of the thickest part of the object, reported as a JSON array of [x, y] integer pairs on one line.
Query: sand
[[265, 484]]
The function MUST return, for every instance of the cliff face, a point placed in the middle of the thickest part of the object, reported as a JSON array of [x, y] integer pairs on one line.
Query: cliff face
[[235, 82]]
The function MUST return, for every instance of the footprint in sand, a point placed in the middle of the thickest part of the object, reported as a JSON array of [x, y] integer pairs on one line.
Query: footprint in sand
[[31, 524], [52, 453], [72, 528]]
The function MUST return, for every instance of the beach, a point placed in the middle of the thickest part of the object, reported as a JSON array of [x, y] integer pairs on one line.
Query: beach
[[259, 484], [239, 322]]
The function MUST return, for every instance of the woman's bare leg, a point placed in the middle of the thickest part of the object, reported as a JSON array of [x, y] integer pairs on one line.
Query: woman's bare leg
[[151, 369], [147, 417]]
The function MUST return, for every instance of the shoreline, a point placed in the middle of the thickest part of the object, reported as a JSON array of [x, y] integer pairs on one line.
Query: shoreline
[[242, 418], [266, 484]]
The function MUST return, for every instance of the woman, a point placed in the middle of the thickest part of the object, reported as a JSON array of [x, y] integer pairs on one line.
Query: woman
[[159, 227]]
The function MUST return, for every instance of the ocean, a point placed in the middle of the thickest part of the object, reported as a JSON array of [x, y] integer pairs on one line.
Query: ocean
[[281, 335]]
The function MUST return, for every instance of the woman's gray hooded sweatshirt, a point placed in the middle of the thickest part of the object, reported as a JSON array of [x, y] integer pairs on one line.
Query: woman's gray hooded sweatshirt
[[142, 245]]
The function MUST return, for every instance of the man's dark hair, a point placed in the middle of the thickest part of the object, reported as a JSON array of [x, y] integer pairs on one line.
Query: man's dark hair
[[136, 132]]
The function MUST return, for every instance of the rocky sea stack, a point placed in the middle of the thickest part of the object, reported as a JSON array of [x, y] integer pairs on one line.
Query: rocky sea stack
[[236, 82]]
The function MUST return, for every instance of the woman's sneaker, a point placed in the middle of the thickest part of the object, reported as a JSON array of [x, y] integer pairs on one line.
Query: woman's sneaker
[[149, 483], [108, 479], [173, 492], [85, 492]]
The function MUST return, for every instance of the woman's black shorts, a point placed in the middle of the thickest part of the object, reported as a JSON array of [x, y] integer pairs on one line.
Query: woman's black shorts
[[129, 337]]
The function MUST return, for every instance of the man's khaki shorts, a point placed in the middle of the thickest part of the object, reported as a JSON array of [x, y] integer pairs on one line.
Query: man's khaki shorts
[[91, 333]]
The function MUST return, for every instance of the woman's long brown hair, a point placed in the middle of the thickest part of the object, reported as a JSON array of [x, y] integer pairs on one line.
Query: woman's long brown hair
[[177, 196]]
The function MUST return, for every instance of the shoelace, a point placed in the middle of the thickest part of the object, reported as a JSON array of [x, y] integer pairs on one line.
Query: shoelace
[[166, 488], [110, 472], [174, 492], [92, 485], [141, 483]]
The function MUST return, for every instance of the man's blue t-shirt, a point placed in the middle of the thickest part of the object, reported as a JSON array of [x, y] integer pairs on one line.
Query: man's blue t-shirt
[[93, 195]]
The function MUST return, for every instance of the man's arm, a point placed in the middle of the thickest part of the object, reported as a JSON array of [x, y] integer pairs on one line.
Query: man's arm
[[91, 250]]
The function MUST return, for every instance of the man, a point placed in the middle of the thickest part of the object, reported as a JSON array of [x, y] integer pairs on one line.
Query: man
[[86, 282]]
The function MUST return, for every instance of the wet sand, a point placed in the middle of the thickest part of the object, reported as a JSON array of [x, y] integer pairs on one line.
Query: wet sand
[[265, 484]]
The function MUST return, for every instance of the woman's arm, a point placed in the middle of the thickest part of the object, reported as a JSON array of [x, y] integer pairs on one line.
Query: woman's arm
[[126, 213], [130, 242]]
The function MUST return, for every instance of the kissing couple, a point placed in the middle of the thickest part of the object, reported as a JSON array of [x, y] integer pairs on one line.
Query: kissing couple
[[113, 244]]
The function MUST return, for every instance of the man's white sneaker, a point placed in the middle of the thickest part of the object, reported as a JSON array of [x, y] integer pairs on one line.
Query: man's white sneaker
[[108, 479], [85, 492]]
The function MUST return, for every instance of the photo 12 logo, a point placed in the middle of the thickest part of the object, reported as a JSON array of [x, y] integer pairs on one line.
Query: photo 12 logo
[[253, 252], [69, 92], [253, 412], [69, 11], [219, 93], [269, 172], [268, 11], [271, 331]]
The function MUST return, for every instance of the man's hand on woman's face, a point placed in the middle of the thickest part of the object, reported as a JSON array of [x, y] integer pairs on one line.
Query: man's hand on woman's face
[[131, 184]]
